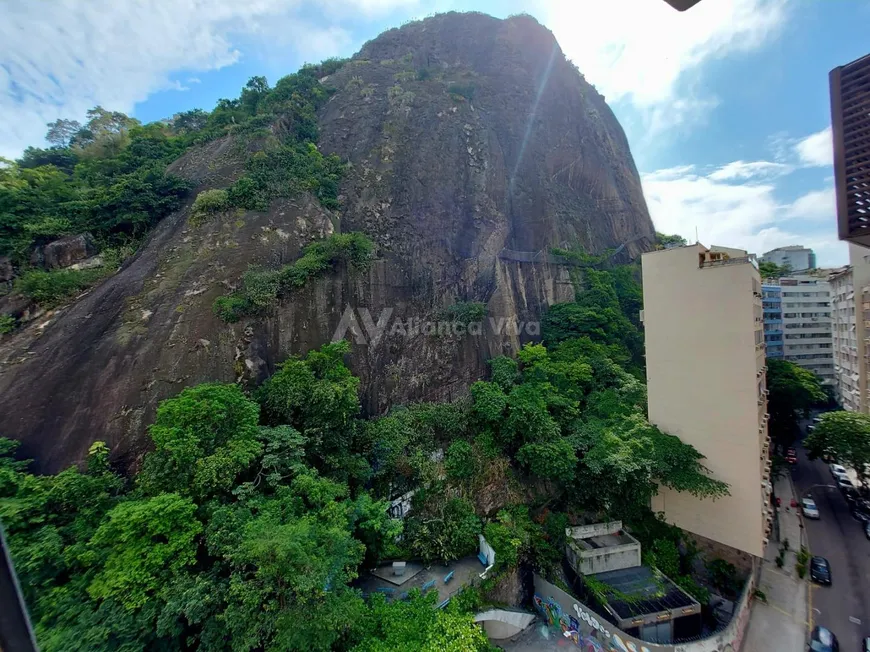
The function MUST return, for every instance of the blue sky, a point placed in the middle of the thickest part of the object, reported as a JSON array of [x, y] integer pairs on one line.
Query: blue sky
[[725, 106]]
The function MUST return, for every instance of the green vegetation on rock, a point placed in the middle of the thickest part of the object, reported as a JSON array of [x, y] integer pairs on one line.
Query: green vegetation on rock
[[260, 289]]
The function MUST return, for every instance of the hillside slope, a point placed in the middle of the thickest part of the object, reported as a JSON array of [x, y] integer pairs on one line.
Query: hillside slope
[[473, 145]]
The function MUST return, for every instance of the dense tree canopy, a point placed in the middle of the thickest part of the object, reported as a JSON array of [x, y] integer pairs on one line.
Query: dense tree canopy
[[845, 436], [772, 270], [793, 391], [249, 523]]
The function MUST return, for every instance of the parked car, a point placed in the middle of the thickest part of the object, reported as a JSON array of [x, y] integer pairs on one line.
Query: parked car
[[860, 515], [809, 508], [845, 484], [791, 456], [838, 470], [867, 529], [820, 571], [865, 645], [822, 639]]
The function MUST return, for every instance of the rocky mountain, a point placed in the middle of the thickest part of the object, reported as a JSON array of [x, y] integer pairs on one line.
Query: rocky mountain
[[474, 147]]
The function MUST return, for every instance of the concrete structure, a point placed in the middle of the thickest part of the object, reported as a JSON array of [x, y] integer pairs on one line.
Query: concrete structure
[[569, 623], [851, 328], [706, 384], [807, 324], [771, 305], [850, 126], [500, 624], [601, 547], [796, 257]]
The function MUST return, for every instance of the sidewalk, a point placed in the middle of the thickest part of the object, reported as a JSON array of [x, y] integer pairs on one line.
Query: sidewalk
[[781, 622]]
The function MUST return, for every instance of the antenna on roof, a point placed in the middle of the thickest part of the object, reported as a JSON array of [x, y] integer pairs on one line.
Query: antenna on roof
[[696, 235]]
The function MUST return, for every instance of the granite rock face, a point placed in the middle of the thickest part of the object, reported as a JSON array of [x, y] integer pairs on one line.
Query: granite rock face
[[475, 147]]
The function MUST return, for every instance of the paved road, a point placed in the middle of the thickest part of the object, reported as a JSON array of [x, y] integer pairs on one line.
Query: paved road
[[841, 539]]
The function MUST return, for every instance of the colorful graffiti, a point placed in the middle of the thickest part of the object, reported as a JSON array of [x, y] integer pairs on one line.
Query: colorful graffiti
[[568, 626]]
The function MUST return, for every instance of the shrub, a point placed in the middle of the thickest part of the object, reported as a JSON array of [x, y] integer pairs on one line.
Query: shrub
[[723, 575], [462, 90], [465, 312], [230, 308], [50, 288], [423, 74], [459, 461], [801, 570], [210, 202], [260, 288], [7, 324]]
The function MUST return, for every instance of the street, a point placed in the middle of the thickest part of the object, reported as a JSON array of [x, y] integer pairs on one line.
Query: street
[[844, 607]]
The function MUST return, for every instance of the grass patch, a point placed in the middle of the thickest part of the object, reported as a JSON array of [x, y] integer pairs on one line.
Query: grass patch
[[51, 288], [7, 324]]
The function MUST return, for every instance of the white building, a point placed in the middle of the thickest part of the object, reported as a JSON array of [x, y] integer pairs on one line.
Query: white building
[[807, 324], [851, 298], [797, 258]]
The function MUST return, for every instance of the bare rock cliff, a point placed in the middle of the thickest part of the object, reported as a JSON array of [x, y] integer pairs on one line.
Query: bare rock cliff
[[473, 145]]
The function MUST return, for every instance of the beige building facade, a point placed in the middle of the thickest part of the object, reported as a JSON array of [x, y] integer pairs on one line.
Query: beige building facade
[[706, 383], [850, 289]]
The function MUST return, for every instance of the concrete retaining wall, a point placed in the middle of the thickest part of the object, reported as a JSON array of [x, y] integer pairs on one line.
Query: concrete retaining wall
[[502, 623], [588, 630]]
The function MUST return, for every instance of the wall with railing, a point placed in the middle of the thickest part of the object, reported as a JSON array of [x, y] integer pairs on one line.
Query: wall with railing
[[588, 630]]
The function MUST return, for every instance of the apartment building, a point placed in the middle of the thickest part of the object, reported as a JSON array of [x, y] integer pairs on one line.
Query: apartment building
[[807, 324], [795, 257], [850, 126], [850, 289], [705, 363], [771, 305]]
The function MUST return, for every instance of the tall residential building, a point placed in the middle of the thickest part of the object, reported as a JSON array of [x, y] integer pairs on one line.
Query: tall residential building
[[850, 122], [796, 257], [851, 302], [807, 324], [705, 367], [771, 305]]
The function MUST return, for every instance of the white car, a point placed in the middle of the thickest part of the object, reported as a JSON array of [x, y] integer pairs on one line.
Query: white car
[[808, 506], [838, 471]]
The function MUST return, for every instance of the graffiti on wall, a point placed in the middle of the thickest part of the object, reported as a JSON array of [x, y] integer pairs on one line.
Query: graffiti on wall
[[598, 639]]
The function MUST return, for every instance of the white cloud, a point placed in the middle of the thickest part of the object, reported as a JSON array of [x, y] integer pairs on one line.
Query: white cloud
[[750, 170], [816, 205], [643, 50], [816, 149], [61, 58], [739, 212]]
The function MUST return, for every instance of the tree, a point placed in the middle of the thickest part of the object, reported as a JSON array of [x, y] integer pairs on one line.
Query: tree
[[318, 396], [204, 438], [768, 269], [793, 390], [845, 436], [61, 131], [415, 624], [142, 544], [663, 241]]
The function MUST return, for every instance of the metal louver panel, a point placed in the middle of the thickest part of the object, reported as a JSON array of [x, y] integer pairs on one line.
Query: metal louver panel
[[850, 118]]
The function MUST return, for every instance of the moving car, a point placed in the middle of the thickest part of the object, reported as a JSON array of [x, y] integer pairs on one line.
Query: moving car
[[791, 456], [866, 645], [867, 529], [822, 639], [808, 506], [820, 571]]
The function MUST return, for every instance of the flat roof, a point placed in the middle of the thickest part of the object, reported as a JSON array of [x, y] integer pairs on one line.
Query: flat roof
[[639, 591]]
